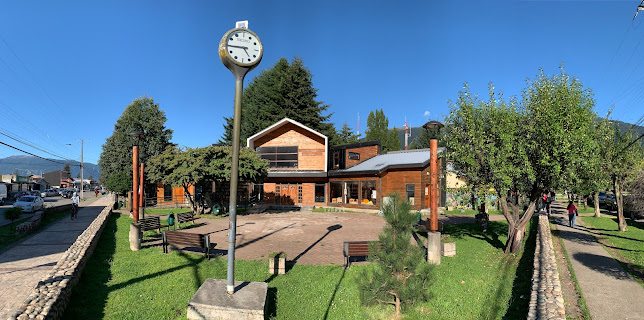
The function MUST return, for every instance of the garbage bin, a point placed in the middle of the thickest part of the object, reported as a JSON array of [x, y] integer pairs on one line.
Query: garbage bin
[[120, 204], [216, 209]]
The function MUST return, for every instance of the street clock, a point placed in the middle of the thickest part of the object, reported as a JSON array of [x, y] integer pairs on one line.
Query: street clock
[[240, 50]]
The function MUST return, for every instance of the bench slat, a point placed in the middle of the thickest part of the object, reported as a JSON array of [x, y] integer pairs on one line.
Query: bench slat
[[188, 239], [356, 249]]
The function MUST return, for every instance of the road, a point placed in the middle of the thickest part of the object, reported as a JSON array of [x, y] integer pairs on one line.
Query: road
[[49, 202]]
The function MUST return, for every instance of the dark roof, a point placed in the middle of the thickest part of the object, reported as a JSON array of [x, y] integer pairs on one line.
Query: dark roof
[[357, 145], [418, 158], [296, 174]]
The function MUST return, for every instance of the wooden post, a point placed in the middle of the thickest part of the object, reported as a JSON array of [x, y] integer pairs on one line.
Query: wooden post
[[135, 183]]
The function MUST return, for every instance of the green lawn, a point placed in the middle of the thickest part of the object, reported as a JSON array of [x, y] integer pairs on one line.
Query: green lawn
[[165, 212], [8, 233], [629, 244], [470, 211], [479, 283]]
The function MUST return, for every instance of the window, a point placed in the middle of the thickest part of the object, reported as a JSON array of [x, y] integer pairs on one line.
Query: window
[[279, 157], [354, 156], [410, 193], [299, 194], [319, 192], [352, 192], [336, 192], [368, 189], [167, 192]]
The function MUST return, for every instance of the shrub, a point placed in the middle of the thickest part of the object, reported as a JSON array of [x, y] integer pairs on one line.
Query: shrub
[[12, 214], [401, 275]]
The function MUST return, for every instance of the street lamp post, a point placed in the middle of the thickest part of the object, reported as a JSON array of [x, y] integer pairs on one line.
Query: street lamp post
[[142, 157], [136, 135], [433, 237]]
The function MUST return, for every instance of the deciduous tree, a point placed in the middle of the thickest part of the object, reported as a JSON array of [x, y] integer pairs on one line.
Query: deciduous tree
[[142, 114], [199, 166], [522, 150]]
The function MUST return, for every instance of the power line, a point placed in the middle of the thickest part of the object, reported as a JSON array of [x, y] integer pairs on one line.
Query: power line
[[37, 156]]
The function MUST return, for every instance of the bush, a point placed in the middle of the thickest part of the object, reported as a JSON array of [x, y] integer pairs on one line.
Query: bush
[[402, 275], [13, 214]]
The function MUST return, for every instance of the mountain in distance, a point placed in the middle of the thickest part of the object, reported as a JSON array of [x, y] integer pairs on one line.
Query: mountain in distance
[[415, 132], [28, 165]]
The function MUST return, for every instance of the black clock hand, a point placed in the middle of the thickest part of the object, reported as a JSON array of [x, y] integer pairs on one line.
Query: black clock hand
[[230, 45], [246, 52]]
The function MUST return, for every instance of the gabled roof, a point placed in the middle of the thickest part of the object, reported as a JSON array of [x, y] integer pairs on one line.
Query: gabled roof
[[396, 159], [250, 141]]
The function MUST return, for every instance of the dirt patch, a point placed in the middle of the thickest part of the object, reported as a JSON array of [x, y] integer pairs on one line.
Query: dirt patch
[[568, 287]]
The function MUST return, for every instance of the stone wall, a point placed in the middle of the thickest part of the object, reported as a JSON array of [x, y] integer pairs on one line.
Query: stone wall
[[51, 295], [546, 299]]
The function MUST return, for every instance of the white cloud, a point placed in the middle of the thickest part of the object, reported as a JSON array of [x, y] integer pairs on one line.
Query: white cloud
[[426, 114]]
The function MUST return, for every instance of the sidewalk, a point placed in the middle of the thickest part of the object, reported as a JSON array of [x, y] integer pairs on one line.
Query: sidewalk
[[23, 264], [608, 289]]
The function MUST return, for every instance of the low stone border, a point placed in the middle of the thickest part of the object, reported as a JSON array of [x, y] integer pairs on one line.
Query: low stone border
[[546, 299], [51, 295]]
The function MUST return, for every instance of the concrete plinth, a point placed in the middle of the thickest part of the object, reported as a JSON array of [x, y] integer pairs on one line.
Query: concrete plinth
[[212, 302], [135, 237], [434, 247], [449, 249]]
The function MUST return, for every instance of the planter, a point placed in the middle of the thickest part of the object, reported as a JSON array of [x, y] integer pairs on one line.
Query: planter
[[277, 263]]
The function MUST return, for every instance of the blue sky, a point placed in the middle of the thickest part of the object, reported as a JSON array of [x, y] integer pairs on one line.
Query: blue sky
[[69, 68]]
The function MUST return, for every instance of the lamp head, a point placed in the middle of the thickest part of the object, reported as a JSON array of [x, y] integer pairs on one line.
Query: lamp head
[[433, 127]]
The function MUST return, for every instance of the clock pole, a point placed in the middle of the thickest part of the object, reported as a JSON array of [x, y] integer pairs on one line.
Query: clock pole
[[239, 70]]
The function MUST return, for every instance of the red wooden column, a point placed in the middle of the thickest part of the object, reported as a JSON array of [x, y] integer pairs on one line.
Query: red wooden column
[[433, 184], [135, 183]]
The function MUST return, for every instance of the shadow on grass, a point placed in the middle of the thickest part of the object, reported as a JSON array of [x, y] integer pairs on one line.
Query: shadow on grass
[[491, 236], [518, 307], [91, 291], [337, 286]]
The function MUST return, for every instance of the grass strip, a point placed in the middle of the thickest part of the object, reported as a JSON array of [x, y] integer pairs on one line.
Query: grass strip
[[8, 234]]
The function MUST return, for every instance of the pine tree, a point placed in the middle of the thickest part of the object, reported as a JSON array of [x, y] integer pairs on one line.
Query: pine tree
[[67, 170], [285, 90], [401, 276], [377, 130], [346, 135]]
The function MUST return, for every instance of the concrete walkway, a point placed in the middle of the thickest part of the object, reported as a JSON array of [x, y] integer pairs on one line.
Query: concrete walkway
[[608, 289], [23, 264]]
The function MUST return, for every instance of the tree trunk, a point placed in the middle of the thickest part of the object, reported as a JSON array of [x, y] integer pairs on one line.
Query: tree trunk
[[596, 203], [516, 231], [620, 208], [397, 301]]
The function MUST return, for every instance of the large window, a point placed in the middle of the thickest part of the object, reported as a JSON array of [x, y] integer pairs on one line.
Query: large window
[[319, 192], [336, 192], [352, 192], [410, 193], [279, 157], [368, 192]]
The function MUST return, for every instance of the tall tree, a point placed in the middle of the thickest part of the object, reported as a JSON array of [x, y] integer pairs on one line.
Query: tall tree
[[285, 90], [522, 150], [199, 166], [346, 135], [67, 170], [622, 159], [143, 115], [378, 130]]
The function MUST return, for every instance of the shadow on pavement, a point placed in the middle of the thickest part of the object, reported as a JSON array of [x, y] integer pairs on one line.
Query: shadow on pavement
[[603, 264], [328, 230]]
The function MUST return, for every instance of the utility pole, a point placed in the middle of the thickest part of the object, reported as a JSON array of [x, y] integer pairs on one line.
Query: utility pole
[[81, 169]]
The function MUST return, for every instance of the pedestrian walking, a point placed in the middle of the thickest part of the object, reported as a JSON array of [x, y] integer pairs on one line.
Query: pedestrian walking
[[548, 203], [75, 201], [572, 213], [96, 193]]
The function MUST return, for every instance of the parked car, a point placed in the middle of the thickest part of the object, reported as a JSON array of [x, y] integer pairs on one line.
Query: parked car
[[67, 194], [20, 194], [3, 193], [602, 198], [611, 202], [34, 193], [29, 203]]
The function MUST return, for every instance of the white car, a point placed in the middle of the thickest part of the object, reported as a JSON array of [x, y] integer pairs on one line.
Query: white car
[[29, 203], [48, 193]]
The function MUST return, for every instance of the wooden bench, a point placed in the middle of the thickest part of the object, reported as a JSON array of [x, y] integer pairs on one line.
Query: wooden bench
[[185, 217], [356, 249], [151, 223], [188, 239]]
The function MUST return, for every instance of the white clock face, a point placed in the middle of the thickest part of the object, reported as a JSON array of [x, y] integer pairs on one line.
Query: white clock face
[[243, 47]]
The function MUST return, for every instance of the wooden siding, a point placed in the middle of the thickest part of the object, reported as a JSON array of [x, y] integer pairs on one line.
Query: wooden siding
[[366, 153], [311, 148]]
